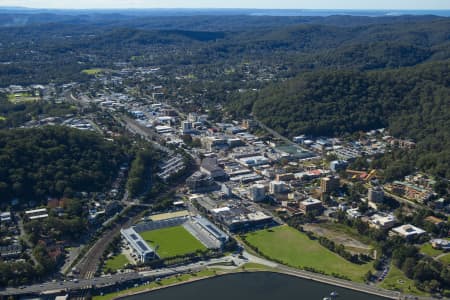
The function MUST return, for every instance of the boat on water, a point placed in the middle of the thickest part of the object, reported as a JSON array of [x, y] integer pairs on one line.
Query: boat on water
[[334, 294]]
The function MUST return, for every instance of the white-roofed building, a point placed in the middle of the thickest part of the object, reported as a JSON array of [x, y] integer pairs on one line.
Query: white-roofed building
[[408, 231]]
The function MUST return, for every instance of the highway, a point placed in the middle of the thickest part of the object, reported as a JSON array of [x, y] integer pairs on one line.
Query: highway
[[114, 279], [145, 276]]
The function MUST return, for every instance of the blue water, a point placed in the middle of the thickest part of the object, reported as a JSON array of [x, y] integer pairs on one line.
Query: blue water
[[249, 286]]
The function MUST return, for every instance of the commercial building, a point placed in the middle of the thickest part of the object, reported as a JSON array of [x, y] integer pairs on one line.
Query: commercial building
[[376, 194], [440, 244], [382, 221], [35, 214], [410, 191], [338, 165], [5, 217], [310, 204], [277, 187], [407, 231], [254, 161], [257, 192], [10, 251], [186, 127], [201, 183], [285, 177], [210, 167], [240, 219], [329, 184], [139, 246]]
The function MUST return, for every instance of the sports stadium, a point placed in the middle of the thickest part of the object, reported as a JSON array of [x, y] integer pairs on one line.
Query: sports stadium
[[169, 236]]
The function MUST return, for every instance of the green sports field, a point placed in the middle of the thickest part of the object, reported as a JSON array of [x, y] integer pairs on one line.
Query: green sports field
[[116, 263], [294, 248], [93, 71], [172, 241]]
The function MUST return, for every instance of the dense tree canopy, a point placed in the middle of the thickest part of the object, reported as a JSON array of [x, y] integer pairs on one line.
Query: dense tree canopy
[[54, 161], [411, 102]]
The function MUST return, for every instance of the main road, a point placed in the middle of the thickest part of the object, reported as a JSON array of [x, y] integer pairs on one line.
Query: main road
[[109, 280]]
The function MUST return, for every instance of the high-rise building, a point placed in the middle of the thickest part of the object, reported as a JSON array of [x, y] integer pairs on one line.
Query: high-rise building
[[257, 192], [329, 184], [376, 194], [277, 187], [186, 127]]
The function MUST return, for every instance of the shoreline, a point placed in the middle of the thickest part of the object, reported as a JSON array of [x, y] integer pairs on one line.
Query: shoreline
[[293, 274]]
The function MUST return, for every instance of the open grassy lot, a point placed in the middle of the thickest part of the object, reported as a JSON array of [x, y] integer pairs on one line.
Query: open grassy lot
[[445, 259], [429, 250], [22, 97], [116, 262], [172, 241], [93, 71], [396, 280], [296, 249]]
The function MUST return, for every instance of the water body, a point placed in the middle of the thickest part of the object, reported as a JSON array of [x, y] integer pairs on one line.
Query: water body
[[350, 12], [260, 286]]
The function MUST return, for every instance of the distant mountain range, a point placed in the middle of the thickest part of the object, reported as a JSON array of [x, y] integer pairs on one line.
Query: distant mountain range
[[218, 11]]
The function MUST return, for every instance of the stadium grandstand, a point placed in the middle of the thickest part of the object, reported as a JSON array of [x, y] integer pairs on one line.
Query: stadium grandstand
[[143, 251]]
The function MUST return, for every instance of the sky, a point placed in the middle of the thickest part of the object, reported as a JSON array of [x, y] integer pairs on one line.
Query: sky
[[273, 4]]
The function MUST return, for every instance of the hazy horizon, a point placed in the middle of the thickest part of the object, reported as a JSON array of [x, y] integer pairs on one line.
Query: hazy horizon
[[232, 4]]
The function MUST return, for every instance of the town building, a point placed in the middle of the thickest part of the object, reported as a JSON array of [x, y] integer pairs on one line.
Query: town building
[[410, 191], [201, 183], [435, 221], [285, 177], [353, 213], [310, 204], [277, 187], [5, 217], [440, 244], [338, 165], [376, 194], [257, 192], [240, 219], [382, 221], [253, 161], [186, 127], [10, 251], [407, 231], [329, 184], [35, 214], [210, 167]]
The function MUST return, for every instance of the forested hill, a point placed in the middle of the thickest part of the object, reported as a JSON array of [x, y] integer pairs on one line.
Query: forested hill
[[412, 102], [61, 50], [54, 161]]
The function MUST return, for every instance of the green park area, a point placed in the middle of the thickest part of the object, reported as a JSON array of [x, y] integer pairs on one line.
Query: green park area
[[116, 263], [22, 97], [440, 255], [293, 248], [396, 280], [93, 71], [172, 241], [427, 249]]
